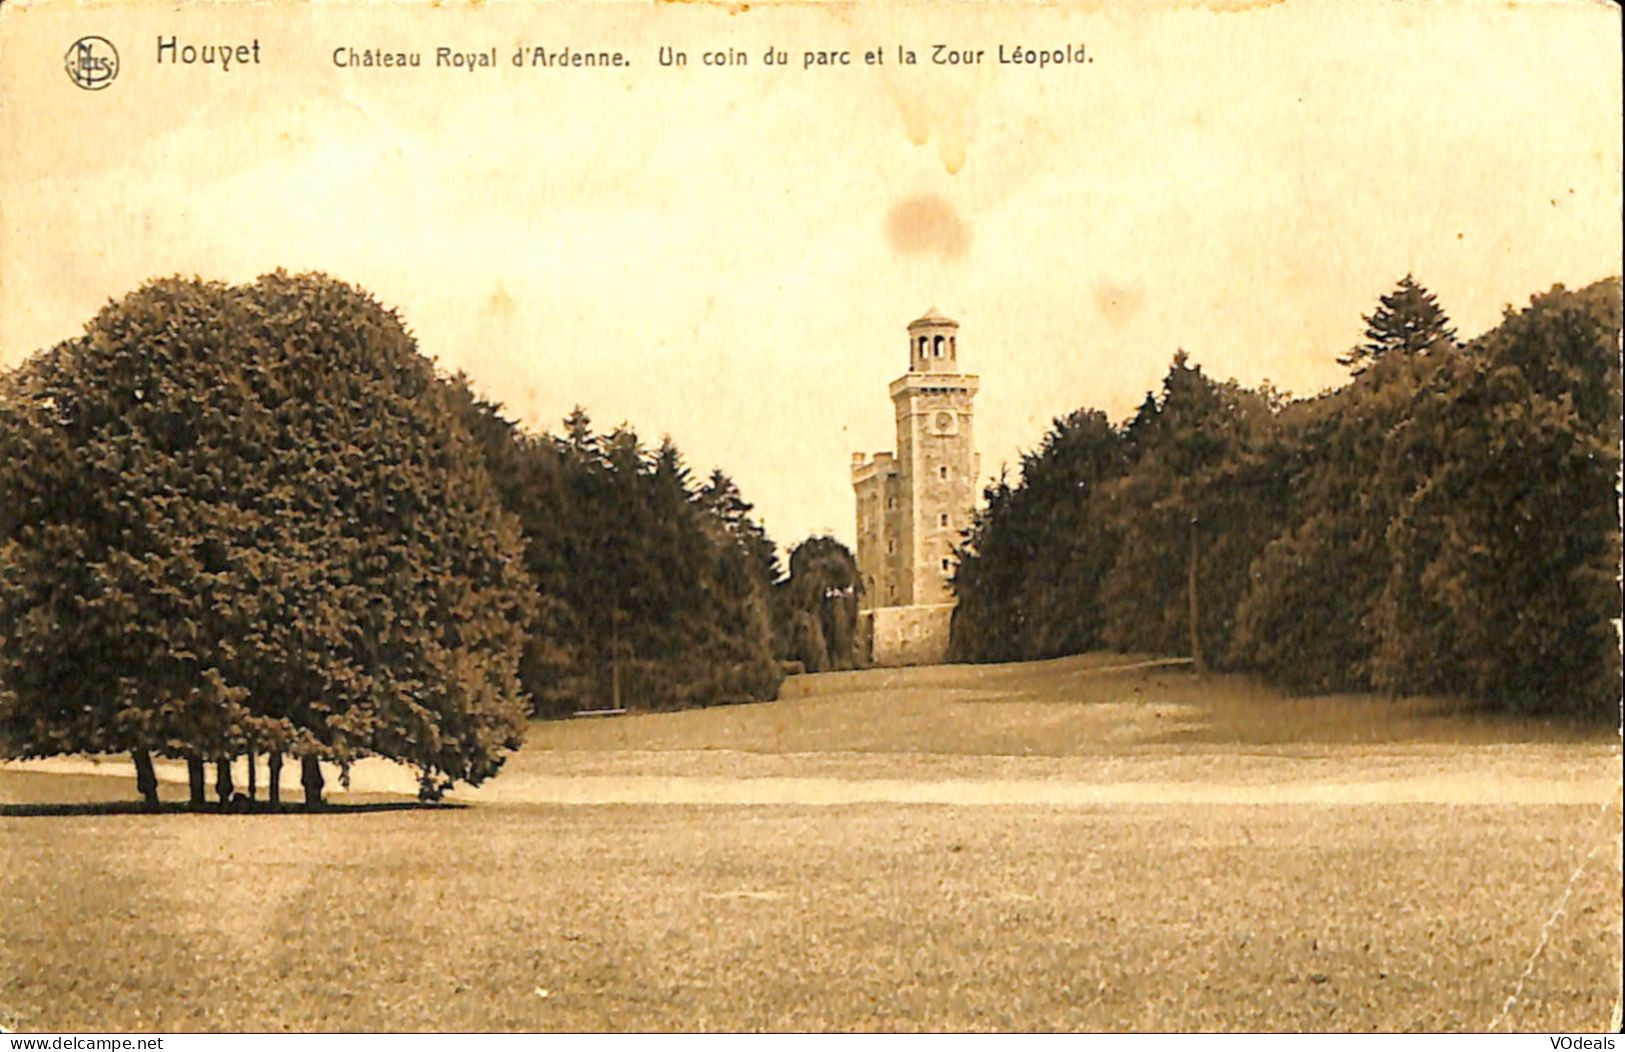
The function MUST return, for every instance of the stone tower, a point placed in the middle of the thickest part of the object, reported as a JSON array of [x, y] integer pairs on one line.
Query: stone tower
[[913, 506]]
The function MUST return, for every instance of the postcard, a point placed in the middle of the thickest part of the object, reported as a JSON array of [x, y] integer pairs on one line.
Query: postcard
[[611, 517]]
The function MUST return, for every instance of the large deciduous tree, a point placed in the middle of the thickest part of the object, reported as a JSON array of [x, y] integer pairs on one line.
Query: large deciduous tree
[[1303, 616], [817, 606], [243, 519], [1198, 501]]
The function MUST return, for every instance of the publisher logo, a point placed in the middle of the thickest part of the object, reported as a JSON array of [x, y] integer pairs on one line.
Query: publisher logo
[[92, 63]]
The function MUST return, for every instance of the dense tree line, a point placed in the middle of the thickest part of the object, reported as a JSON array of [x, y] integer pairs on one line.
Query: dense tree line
[[1032, 542], [1445, 522], [254, 521], [654, 591]]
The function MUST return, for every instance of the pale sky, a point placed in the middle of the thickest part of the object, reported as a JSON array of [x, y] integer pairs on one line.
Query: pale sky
[[730, 256]]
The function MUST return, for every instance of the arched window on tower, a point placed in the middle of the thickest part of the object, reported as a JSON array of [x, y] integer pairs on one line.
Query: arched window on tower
[[922, 348], [953, 346], [936, 351]]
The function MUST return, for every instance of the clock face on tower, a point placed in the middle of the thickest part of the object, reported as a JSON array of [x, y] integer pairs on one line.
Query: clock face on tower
[[944, 423]]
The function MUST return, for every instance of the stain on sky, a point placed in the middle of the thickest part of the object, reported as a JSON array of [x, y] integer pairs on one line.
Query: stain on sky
[[501, 304], [1118, 303], [927, 225]]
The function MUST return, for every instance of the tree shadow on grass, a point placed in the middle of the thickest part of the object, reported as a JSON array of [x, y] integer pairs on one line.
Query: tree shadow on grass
[[169, 807]]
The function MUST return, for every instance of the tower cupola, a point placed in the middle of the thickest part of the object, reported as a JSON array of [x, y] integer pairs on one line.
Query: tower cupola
[[933, 344]]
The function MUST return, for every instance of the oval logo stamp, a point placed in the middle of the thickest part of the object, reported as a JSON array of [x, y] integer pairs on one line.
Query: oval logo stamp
[[92, 62]]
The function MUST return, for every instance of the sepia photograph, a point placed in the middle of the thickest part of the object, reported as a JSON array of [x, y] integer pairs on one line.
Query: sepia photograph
[[602, 517]]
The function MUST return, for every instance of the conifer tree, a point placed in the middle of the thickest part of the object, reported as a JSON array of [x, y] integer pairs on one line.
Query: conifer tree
[[1407, 320], [1030, 567]]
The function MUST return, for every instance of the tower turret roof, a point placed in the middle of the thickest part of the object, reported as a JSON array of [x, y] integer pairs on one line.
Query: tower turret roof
[[932, 317]]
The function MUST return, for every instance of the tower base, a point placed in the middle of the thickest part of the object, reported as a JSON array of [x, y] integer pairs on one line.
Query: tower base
[[906, 635]]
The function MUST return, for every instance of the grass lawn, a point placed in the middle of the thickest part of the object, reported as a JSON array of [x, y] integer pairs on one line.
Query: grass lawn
[[516, 914], [1097, 704]]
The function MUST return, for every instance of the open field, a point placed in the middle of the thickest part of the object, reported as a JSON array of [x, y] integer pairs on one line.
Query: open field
[[1042, 847]]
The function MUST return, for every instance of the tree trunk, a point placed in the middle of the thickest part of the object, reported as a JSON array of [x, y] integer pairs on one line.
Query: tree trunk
[[1195, 610], [222, 781], [146, 779], [195, 777], [273, 791], [310, 776], [615, 666], [253, 776]]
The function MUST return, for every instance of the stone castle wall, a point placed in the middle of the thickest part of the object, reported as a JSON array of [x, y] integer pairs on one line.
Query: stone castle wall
[[906, 635]]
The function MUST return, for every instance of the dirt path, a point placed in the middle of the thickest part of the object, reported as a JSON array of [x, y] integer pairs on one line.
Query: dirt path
[[1457, 789], [1534, 776]]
